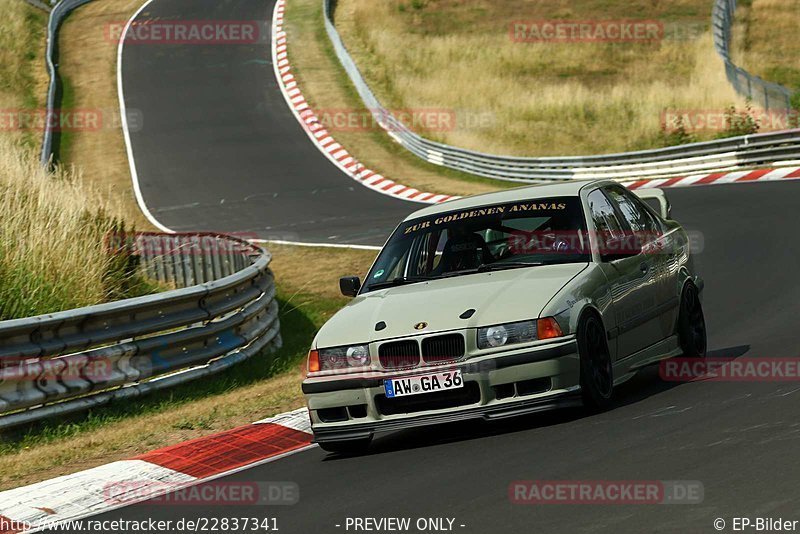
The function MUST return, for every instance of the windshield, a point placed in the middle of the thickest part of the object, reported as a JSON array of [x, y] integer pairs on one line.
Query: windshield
[[503, 236]]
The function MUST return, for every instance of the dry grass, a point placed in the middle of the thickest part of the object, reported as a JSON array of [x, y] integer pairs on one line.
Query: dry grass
[[52, 254], [765, 40], [23, 77], [326, 87], [317, 270], [544, 98], [87, 65]]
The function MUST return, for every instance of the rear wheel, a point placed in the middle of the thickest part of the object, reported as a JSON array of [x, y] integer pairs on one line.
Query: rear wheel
[[350, 447], [691, 324], [597, 374]]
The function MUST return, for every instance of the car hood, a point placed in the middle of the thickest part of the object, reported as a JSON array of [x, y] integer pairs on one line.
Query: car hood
[[497, 297]]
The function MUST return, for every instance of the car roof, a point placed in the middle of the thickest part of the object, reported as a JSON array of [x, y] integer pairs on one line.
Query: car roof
[[530, 192]]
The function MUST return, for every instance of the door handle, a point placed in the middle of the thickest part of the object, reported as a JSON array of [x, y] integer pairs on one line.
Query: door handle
[[644, 267]]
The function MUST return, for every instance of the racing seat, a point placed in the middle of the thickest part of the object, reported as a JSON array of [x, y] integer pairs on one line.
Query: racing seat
[[463, 252]]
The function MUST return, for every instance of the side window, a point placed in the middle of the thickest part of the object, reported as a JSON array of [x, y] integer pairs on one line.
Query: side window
[[605, 219], [635, 213], [426, 253]]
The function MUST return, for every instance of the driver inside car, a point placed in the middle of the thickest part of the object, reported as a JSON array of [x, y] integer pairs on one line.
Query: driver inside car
[[464, 250]]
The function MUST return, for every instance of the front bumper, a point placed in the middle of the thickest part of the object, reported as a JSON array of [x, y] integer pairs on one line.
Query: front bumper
[[504, 384]]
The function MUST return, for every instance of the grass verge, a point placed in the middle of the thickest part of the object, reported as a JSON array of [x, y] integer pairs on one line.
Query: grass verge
[[542, 98], [87, 65], [765, 40], [52, 227], [23, 77]]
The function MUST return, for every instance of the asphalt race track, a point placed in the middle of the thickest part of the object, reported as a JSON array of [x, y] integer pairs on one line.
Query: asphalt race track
[[219, 149], [217, 127]]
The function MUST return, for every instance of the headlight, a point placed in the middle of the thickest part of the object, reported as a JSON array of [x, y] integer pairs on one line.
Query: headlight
[[343, 357], [496, 336], [521, 332], [506, 334]]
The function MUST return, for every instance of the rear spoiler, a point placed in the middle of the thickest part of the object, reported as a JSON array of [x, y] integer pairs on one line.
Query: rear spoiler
[[658, 195]]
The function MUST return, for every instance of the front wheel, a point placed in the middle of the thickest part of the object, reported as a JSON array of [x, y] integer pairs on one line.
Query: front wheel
[[597, 374], [691, 324], [350, 447]]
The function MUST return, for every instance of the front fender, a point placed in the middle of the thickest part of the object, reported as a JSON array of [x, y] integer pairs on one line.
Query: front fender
[[590, 289]]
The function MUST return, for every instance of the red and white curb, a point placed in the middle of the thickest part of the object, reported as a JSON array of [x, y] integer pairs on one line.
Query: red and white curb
[[320, 136], [760, 175], [153, 474]]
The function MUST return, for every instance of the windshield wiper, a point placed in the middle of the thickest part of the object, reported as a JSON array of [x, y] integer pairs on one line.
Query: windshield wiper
[[488, 267], [399, 281]]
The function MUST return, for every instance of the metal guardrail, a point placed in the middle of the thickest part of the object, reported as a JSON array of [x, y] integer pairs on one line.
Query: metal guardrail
[[223, 312], [711, 156], [765, 94], [57, 15]]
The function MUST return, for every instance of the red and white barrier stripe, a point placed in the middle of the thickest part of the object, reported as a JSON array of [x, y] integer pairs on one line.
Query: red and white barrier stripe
[[153, 474], [760, 175], [320, 136]]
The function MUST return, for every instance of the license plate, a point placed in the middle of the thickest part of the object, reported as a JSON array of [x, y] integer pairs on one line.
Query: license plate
[[416, 385]]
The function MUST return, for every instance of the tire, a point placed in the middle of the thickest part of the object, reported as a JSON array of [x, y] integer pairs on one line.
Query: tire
[[692, 324], [597, 372], [350, 447]]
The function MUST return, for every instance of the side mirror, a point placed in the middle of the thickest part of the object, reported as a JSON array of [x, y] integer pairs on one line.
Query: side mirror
[[349, 285], [617, 248]]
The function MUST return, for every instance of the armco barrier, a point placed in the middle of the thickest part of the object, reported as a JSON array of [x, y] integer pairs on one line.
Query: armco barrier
[[57, 15], [766, 94], [223, 312], [712, 156]]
